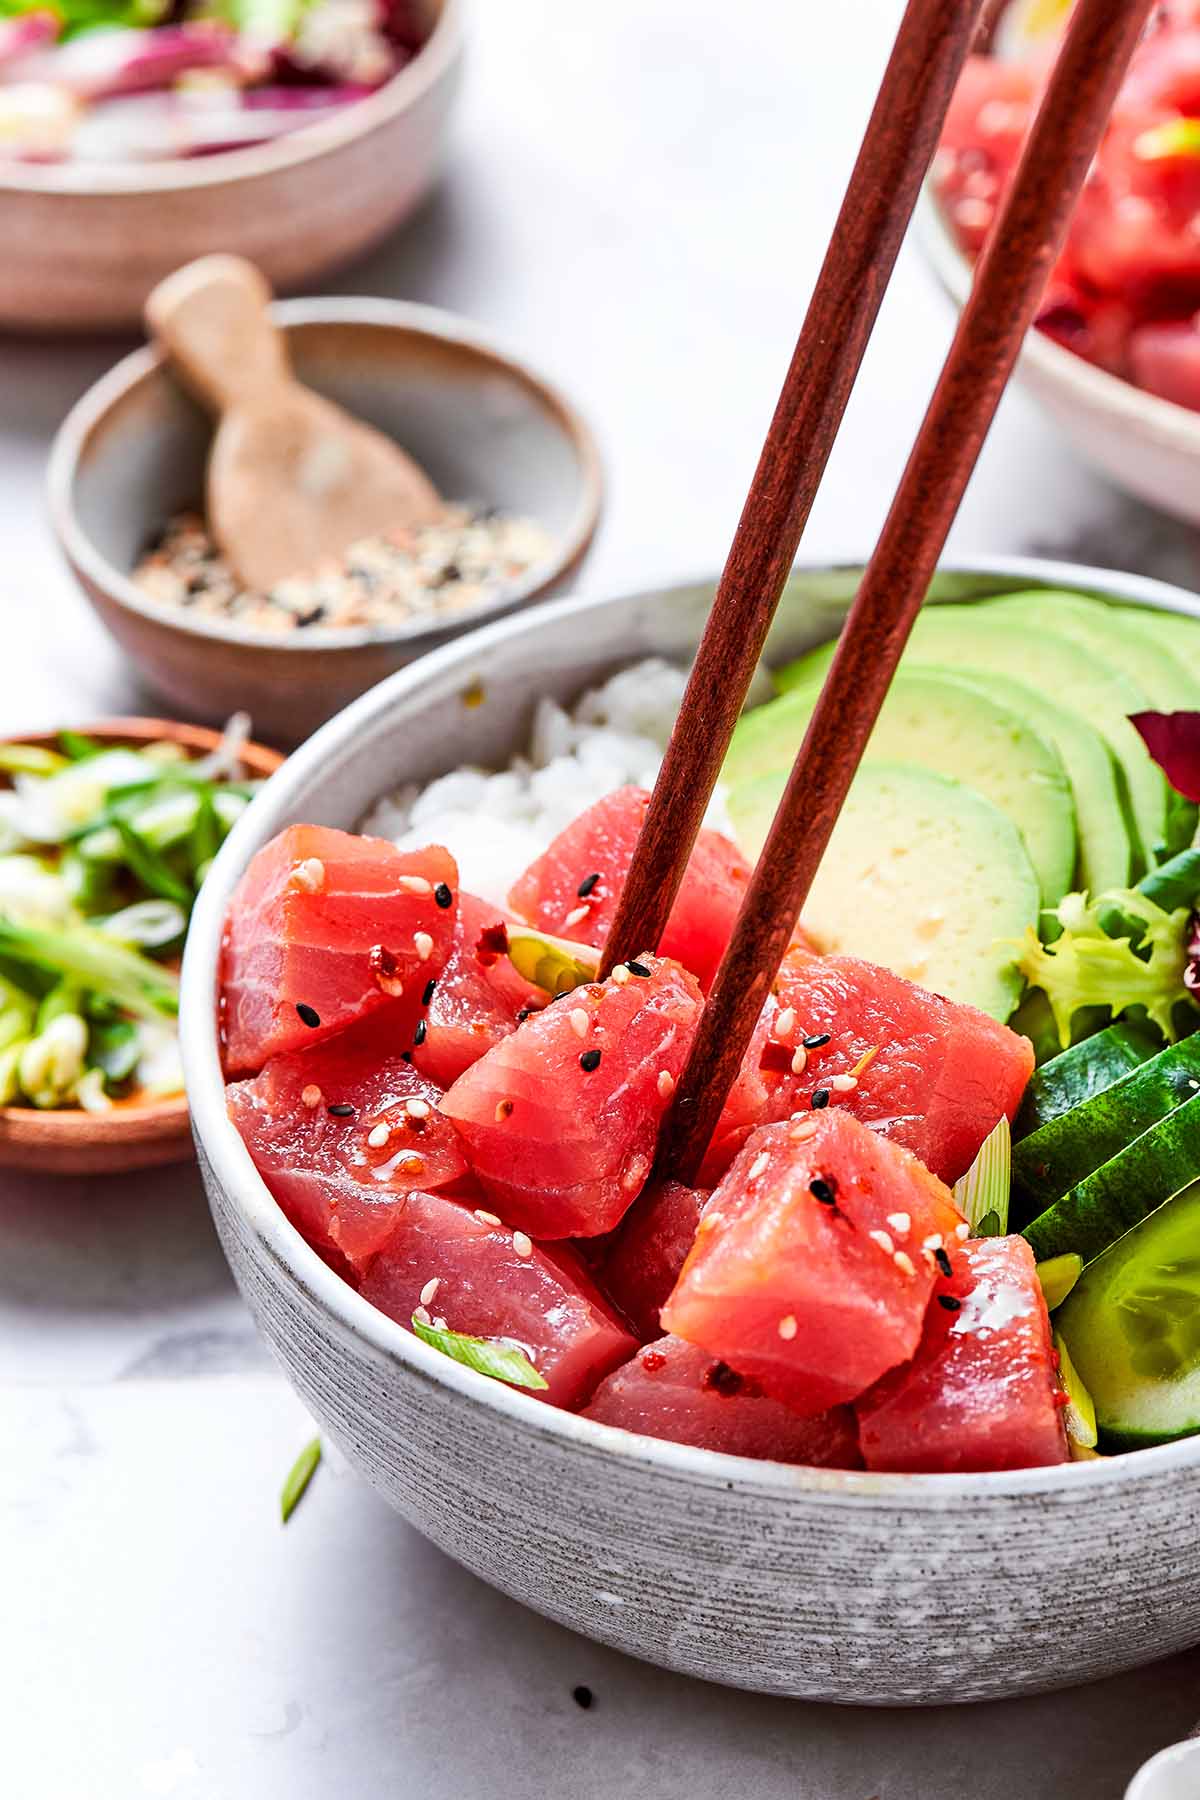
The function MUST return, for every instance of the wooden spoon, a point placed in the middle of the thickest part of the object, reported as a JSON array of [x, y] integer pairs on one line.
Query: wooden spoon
[[293, 480]]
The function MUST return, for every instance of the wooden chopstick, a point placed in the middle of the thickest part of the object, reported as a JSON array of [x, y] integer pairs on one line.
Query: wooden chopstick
[[1008, 285], [900, 140]]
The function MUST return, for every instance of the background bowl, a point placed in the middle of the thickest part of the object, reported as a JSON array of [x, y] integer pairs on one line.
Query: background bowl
[[137, 1133], [880, 1589], [132, 452], [84, 244], [1148, 446]]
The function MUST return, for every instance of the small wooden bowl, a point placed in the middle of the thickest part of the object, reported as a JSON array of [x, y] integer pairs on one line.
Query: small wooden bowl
[[132, 452], [85, 243], [136, 1134]]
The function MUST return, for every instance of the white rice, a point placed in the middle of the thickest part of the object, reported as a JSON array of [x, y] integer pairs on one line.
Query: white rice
[[495, 823]]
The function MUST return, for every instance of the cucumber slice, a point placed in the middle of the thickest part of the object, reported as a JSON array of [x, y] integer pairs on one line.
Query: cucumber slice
[[1063, 1152], [1076, 1075], [1132, 1326], [922, 875], [1119, 1194]]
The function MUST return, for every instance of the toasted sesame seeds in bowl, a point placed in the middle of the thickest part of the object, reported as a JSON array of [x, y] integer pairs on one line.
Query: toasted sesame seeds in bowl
[[874, 1589], [508, 449]]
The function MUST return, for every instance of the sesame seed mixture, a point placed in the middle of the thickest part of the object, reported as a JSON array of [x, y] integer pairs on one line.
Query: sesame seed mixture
[[469, 556]]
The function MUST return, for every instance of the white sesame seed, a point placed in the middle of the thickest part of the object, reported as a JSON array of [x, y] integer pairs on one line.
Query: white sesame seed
[[415, 884], [486, 1218], [801, 1133], [787, 1326], [709, 1222], [666, 1083], [522, 1244], [842, 1084], [311, 1095], [621, 975], [900, 1222], [389, 985], [430, 1289], [439, 1324], [883, 1240], [933, 1242], [576, 916], [904, 1263], [785, 1024], [963, 1230], [760, 1162], [421, 1314], [419, 1109], [799, 1060], [579, 1021], [309, 874], [424, 945], [378, 1136], [635, 1173]]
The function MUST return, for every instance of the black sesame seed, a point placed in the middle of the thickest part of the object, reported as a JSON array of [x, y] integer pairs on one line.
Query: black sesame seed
[[638, 969], [817, 1042], [427, 996], [943, 1263], [526, 1012], [820, 1098], [587, 884], [823, 1190], [419, 1034], [406, 1056], [308, 1015], [343, 1110], [442, 895], [582, 1696], [723, 1380], [950, 1303], [590, 1060]]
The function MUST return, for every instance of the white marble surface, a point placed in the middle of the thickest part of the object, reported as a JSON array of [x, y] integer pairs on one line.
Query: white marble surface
[[638, 201]]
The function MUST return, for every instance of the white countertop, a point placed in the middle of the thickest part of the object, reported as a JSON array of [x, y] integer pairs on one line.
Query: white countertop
[[638, 203]]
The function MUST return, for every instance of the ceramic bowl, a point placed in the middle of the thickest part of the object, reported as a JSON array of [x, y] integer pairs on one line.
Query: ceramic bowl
[[878, 1589], [1148, 446], [1174, 1774], [86, 243], [137, 1133], [132, 452]]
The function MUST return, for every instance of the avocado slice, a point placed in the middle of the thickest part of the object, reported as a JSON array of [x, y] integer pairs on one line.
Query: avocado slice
[[1064, 673], [934, 721], [1113, 632], [922, 875], [1178, 633]]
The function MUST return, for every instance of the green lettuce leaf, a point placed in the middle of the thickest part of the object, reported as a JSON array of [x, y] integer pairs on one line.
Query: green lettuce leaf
[[1086, 967]]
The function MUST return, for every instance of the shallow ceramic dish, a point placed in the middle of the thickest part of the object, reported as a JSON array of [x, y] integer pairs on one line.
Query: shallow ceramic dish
[[84, 244], [1148, 446], [877, 1589], [132, 452], [137, 1133]]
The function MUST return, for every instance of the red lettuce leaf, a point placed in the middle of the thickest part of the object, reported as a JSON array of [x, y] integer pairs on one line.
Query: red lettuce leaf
[[1173, 740]]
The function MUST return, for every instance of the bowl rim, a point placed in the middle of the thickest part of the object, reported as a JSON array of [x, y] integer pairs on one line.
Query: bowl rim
[[142, 365], [73, 1128], [1164, 422], [433, 62], [388, 1342]]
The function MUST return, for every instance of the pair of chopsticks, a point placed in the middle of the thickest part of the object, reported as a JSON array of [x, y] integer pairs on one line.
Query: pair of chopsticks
[[901, 137]]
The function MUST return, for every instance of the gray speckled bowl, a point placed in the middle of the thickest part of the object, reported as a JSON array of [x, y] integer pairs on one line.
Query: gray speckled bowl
[[875, 1589]]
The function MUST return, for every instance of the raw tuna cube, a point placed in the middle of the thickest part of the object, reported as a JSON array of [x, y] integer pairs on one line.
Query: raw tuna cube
[[323, 928], [749, 1103], [573, 888], [981, 1391], [672, 1390], [810, 1272], [940, 1077], [341, 1190], [544, 1301], [476, 998], [648, 1250], [560, 1120]]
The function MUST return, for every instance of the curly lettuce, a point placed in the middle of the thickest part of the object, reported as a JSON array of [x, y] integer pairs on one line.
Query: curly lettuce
[[1086, 966]]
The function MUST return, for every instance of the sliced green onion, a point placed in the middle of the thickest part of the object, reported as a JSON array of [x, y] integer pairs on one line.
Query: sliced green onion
[[487, 1356], [1174, 137], [1079, 1414], [147, 924], [299, 1476], [30, 759], [90, 1092], [95, 962], [114, 1047], [985, 1187], [554, 964], [77, 748], [10, 1062], [1058, 1275]]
